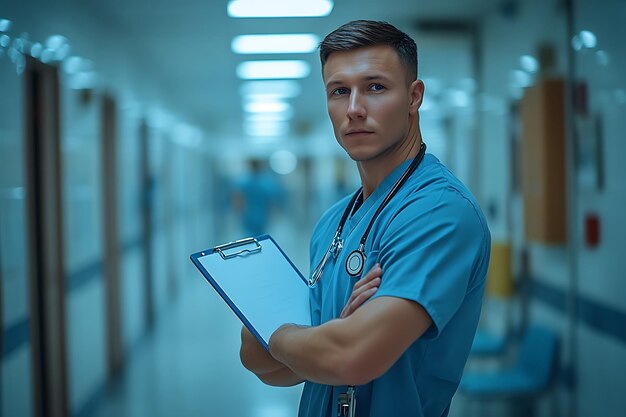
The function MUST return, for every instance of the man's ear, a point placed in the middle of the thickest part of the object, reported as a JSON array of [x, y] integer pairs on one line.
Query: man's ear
[[416, 96]]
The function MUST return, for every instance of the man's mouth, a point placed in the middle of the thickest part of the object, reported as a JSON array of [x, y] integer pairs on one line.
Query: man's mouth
[[357, 132]]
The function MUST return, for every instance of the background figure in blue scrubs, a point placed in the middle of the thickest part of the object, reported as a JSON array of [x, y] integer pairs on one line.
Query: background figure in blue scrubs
[[402, 332], [255, 196]]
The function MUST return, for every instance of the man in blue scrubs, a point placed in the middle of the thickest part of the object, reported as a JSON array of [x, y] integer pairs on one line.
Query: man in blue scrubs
[[400, 334]]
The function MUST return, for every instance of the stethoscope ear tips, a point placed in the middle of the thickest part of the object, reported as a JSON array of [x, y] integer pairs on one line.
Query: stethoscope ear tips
[[355, 262]]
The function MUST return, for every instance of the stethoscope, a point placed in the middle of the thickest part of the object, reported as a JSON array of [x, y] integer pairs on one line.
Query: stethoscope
[[356, 258]]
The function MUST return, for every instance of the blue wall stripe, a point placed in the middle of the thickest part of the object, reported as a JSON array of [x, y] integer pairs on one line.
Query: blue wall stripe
[[595, 315], [18, 334], [83, 276], [132, 244], [549, 295], [15, 336], [602, 318], [91, 405], [95, 269]]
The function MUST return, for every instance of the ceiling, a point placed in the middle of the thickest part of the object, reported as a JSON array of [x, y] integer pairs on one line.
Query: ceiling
[[188, 43]]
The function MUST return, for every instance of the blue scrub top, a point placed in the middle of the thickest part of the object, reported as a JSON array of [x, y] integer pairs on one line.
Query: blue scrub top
[[433, 244]]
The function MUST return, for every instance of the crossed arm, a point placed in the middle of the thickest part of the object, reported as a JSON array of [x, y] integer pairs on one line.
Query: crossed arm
[[354, 349]]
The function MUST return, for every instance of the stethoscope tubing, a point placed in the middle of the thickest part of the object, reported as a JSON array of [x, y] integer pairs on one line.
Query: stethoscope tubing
[[356, 259]]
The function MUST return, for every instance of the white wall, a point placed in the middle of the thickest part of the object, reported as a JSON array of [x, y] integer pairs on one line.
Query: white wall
[[122, 73], [601, 270], [15, 366], [601, 358]]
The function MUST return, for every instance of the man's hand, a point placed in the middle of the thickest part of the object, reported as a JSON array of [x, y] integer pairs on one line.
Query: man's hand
[[258, 360], [254, 356], [363, 290]]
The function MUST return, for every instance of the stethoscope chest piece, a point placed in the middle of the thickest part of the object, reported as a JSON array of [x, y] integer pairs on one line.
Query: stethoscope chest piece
[[355, 262], [356, 259]]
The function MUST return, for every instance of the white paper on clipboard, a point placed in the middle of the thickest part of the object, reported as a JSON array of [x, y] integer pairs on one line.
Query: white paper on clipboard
[[261, 285]]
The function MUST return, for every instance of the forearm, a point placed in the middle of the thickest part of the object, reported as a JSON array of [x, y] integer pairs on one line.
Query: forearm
[[354, 350], [317, 354], [320, 353]]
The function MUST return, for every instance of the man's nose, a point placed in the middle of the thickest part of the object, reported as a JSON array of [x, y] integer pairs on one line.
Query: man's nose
[[356, 107]]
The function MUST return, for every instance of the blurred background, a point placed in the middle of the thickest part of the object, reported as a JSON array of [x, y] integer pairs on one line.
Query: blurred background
[[134, 133]]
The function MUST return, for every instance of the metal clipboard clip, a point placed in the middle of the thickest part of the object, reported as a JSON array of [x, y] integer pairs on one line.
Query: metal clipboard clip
[[222, 249]]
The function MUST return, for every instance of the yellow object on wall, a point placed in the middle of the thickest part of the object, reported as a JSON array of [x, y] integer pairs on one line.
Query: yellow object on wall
[[500, 274]]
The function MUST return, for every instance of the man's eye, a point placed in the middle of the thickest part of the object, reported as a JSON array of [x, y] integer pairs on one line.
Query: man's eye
[[377, 87], [339, 91]]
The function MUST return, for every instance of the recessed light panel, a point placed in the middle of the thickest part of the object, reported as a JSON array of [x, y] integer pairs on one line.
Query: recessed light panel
[[279, 8], [274, 88], [251, 70], [297, 43]]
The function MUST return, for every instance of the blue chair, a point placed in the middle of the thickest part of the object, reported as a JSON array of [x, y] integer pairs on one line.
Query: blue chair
[[488, 344], [532, 374]]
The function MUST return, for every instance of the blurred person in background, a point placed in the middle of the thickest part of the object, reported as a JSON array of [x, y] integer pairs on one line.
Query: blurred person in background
[[392, 321], [255, 196]]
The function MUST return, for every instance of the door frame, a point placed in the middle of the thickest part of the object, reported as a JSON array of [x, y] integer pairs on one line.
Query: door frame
[[111, 237], [46, 260]]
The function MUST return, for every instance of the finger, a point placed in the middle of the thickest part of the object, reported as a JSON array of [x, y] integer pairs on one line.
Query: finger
[[357, 292], [357, 302], [373, 273], [363, 297]]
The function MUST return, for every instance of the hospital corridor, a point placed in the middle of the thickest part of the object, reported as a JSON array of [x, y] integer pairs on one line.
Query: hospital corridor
[[139, 137]]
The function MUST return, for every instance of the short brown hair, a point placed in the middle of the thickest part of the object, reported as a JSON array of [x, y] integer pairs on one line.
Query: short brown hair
[[362, 33]]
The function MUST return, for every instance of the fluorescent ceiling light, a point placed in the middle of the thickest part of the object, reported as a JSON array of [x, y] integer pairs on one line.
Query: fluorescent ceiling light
[[297, 43], [266, 129], [275, 88], [269, 117], [251, 70], [279, 8], [266, 107]]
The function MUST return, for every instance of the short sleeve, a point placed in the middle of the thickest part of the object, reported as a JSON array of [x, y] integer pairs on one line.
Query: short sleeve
[[431, 252]]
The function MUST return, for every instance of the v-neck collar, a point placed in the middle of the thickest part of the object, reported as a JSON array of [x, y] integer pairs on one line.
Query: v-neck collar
[[377, 197]]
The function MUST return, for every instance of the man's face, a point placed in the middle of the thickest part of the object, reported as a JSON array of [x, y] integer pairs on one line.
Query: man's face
[[370, 100]]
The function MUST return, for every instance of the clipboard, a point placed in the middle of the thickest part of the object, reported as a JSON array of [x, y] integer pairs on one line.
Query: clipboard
[[258, 282]]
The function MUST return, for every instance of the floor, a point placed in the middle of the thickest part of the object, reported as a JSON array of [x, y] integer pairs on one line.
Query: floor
[[190, 367]]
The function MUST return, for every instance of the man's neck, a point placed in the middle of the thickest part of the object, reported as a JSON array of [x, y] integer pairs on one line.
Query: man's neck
[[374, 171]]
